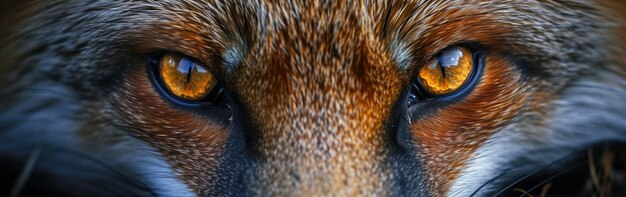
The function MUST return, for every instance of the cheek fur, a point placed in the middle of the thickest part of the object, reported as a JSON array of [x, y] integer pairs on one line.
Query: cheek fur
[[451, 134], [191, 143]]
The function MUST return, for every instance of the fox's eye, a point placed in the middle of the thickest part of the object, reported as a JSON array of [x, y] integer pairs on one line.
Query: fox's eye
[[185, 79], [449, 72]]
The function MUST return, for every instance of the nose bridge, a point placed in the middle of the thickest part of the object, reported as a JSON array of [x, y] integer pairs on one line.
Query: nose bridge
[[322, 130], [322, 139], [319, 96], [323, 105], [326, 121]]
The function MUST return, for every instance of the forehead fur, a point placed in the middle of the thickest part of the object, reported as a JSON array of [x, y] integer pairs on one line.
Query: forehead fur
[[95, 37]]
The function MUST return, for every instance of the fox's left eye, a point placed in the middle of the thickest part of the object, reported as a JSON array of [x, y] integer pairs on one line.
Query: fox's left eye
[[448, 73], [185, 80]]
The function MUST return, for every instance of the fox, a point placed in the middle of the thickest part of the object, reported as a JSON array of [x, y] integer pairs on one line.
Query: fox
[[312, 98]]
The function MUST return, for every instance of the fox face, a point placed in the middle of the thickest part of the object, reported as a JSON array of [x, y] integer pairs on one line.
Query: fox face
[[262, 98]]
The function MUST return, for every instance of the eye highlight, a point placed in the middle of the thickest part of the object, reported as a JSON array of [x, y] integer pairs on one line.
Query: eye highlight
[[185, 78], [447, 72]]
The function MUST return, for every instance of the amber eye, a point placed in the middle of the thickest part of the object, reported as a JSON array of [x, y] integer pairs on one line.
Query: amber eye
[[184, 78], [446, 73]]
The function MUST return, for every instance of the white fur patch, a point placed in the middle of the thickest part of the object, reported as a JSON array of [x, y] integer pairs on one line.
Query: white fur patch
[[587, 113]]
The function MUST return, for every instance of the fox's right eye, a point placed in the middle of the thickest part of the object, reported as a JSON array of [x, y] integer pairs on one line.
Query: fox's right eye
[[185, 79]]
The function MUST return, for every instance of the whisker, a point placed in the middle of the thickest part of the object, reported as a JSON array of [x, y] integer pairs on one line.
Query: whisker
[[28, 169], [84, 157], [552, 178], [489, 181], [536, 172]]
